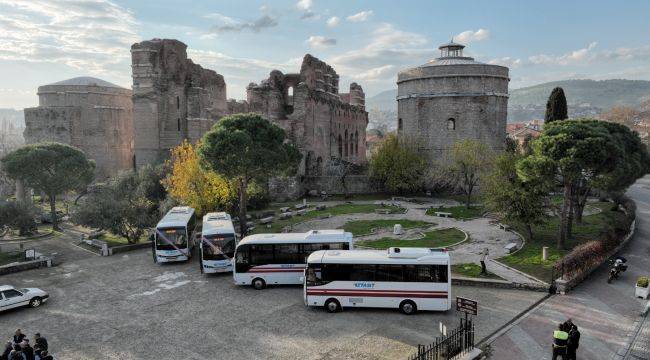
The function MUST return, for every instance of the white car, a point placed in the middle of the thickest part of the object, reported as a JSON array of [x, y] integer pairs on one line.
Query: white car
[[11, 297]]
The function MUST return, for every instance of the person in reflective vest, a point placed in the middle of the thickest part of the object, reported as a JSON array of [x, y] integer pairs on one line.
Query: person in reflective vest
[[560, 339]]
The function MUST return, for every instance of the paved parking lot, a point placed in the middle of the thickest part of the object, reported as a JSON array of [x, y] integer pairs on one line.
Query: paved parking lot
[[126, 307]]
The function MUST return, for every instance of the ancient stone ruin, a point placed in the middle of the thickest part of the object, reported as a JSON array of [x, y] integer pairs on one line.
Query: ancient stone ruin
[[173, 98], [328, 127], [91, 114]]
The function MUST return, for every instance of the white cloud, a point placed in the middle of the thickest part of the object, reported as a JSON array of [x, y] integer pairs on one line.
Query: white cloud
[[320, 41], [360, 16], [387, 51], [91, 36], [229, 24], [304, 4], [377, 73], [333, 21], [576, 56], [472, 36], [506, 61]]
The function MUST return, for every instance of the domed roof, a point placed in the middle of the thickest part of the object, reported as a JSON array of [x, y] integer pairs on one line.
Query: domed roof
[[453, 61], [85, 81]]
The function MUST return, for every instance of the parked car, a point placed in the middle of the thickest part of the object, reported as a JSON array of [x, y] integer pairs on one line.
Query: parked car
[[11, 297]]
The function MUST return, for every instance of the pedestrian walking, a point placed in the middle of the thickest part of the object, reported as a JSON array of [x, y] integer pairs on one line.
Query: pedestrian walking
[[484, 255], [560, 339], [573, 342]]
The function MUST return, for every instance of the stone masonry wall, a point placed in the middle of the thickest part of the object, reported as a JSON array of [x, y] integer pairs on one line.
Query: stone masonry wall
[[173, 98], [96, 119]]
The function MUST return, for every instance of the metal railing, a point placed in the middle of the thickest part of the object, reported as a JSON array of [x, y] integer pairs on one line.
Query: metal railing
[[458, 342]]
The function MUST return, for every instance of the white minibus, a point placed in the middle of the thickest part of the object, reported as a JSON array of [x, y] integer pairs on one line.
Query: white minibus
[[174, 235], [218, 241], [409, 279], [263, 259]]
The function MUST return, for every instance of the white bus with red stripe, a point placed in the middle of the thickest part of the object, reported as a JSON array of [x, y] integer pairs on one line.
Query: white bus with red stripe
[[409, 279], [266, 259]]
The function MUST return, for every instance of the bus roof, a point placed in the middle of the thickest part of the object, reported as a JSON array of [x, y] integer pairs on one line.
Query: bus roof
[[178, 216], [308, 237], [389, 256], [217, 223]]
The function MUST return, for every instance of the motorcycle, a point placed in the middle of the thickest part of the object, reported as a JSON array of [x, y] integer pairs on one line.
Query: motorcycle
[[619, 266]]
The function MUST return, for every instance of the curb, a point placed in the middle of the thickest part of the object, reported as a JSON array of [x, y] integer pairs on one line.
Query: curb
[[521, 273], [29, 238], [490, 338]]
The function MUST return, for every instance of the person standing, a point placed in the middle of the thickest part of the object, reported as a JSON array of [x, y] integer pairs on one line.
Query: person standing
[[18, 336], [40, 342], [560, 339], [573, 343], [27, 350], [484, 255]]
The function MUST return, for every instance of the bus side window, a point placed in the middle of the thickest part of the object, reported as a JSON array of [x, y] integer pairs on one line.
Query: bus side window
[[439, 273]]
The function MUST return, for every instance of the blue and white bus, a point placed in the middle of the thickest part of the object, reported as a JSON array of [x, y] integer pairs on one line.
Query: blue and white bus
[[218, 241], [263, 259], [174, 235]]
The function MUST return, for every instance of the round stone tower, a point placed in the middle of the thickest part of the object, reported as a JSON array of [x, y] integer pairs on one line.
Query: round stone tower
[[91, 114], [452, 98]]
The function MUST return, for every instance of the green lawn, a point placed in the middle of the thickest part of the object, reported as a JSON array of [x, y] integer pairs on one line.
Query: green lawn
[[431, 239], [472, 270], [529, 258], [8, 258], [342, 209], [459, 212], [363, 227]]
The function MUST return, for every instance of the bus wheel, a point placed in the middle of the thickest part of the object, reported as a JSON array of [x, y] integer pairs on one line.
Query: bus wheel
[[258, 284], [332, 306], [408, 307]]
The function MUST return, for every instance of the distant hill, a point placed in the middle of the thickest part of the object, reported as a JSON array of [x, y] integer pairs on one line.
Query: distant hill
[[598, 93], [585, 98]]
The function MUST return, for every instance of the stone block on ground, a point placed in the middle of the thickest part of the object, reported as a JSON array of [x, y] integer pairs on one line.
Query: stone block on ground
[[300, 206], [266, 220], [301, 212], [284, 209], [285, 215], [321, 207], [511, 247]]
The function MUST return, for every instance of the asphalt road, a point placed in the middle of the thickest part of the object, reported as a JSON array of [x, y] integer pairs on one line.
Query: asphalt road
[[126, 307], [605, 313]]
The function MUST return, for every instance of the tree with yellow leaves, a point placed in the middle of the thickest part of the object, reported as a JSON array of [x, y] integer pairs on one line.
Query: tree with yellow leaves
[[191, 185]]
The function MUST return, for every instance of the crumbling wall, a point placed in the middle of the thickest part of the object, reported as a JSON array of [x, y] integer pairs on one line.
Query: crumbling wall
[[173, 98]]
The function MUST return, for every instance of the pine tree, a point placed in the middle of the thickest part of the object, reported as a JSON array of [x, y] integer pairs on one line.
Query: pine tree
[[556, 108]]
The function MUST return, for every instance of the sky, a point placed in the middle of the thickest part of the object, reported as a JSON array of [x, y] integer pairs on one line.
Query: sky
[[368, 42]]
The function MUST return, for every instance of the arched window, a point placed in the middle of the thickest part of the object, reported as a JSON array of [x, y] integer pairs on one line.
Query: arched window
[[178, 102], [178, 124], [290, 91], [340, 146], [451, 124], [356, 143], [345, 146], [399, 124]]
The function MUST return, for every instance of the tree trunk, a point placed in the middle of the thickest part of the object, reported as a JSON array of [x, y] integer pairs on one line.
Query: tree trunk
[[579, 207], [564, 215], [569, 226], [469, 197], [529, 229], [243, 185], [55, 221]]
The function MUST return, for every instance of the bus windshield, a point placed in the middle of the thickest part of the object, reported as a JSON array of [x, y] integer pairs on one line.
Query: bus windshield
[[218, 246], [165, 237]]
